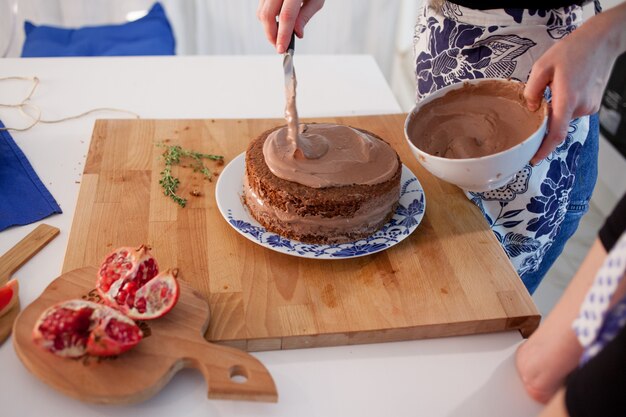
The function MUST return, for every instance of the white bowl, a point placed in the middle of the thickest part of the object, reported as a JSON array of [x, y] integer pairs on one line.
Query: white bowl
[[484, 173]]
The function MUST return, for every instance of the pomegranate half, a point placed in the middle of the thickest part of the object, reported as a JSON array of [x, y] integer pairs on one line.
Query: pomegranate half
[[129, 280], [77, 327]]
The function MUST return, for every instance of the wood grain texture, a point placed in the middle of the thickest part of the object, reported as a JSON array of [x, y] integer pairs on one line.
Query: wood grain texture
[[25, 249], [450, 277], [172, 342], [13, 259]]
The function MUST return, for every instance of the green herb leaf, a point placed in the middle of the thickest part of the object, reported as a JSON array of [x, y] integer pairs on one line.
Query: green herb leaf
[[172, 156]]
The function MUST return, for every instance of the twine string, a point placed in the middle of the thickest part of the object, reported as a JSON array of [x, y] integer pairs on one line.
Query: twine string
[[35, 118]]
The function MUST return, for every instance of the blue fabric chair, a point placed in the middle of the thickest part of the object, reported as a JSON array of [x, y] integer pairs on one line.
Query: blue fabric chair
[[150, 35]]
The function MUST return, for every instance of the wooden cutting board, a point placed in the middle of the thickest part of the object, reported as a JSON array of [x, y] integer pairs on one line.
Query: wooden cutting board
[[169, 344], [450, 277]]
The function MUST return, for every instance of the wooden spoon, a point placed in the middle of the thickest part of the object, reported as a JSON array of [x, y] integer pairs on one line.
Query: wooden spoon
[[17, 256]]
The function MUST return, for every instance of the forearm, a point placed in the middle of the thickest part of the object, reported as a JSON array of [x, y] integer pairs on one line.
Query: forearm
[[556, 407], [553, 351], [566, 310], [612, 22]]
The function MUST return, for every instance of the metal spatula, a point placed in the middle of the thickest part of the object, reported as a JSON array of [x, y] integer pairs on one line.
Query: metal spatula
[[290, 75], [309, 147]]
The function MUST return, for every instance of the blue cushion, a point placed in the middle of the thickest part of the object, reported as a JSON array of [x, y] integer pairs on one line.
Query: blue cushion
[[150, 35]]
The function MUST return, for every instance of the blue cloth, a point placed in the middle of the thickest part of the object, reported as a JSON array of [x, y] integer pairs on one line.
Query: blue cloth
[[578, 204], [23, 197], [150, 35]]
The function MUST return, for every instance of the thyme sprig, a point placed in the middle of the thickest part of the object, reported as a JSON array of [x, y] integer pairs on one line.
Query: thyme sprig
[[172, 156], [170, 185]]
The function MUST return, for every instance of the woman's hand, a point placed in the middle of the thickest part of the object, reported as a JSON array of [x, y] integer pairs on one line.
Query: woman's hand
[[577, 69], [293, 15]]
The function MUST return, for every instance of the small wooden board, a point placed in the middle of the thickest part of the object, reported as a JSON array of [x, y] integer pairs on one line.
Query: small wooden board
[[450, 277], [170, 343]]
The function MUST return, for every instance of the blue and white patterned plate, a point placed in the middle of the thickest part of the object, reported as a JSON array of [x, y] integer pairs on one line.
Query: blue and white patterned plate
[[407, 217]]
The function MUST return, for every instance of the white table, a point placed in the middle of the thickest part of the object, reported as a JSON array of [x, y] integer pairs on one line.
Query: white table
[[456, 376]]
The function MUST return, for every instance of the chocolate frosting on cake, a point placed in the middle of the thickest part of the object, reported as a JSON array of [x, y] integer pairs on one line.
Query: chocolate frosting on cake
[[353, 157], [324, 155], [320, 183], [317, 215]]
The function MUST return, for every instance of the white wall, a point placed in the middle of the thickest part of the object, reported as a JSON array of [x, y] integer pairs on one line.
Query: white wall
[[382, 28], [226, 27]]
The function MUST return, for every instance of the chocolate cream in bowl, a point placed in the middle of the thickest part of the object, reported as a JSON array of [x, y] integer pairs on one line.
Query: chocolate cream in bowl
[[475, 120]]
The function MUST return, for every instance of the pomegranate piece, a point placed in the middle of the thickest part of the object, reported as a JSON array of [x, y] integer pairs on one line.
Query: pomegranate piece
[[8, 296], [155, 298], [122, 273], [76, 327]]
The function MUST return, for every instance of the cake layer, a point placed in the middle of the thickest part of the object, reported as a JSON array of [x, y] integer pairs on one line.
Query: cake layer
[[316, 215]]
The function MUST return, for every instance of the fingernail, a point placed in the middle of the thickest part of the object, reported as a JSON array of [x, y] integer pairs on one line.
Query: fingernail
[[280, 48]]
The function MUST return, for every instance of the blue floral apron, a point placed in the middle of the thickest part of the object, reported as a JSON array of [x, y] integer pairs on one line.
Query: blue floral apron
[[458, 43]]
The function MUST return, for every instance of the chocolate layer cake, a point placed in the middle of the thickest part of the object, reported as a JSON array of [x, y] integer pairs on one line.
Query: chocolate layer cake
[[316, 215]]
